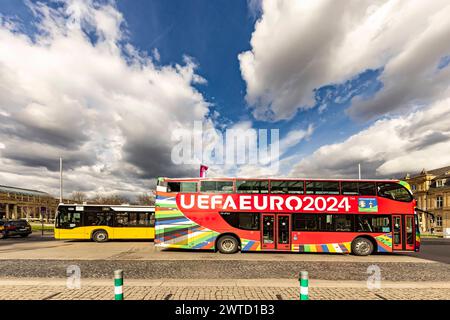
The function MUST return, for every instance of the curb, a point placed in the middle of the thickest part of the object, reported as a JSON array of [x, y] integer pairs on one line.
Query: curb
[[277, 283]]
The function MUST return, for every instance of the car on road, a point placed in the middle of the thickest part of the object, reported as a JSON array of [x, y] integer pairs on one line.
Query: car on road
[[14, 228]]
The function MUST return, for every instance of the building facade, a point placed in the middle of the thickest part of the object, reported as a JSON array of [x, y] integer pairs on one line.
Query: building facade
[[432, 192], [17, 203]]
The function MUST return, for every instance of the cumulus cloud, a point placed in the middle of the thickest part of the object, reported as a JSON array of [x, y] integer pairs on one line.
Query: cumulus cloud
[[298, 46], [388, 148], [77, 89], [254, 8], [294, 137]]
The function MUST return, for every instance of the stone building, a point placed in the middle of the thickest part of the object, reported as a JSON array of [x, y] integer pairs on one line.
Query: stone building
[[431, 188], [17, 203]]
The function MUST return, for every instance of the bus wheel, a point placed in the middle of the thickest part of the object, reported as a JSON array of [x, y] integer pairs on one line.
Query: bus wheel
[[100, 236], [228, 244], [362, 247]]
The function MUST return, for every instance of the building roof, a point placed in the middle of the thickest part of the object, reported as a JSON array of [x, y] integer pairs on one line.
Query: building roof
[[435, 172], [442, 176], [25, 192]]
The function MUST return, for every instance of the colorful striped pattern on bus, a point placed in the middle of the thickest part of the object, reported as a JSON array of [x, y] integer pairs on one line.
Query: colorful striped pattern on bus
[[174, 230]]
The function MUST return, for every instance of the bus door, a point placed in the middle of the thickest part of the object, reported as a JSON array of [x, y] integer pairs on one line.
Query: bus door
[[268, 231], [397, 239], [410, 233], [276, 231], [283, 232], [403, 232]]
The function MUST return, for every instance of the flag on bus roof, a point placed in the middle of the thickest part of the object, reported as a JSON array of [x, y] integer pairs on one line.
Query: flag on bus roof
[[203, 170]]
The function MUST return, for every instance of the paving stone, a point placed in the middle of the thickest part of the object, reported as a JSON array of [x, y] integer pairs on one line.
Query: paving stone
[[229, 293]]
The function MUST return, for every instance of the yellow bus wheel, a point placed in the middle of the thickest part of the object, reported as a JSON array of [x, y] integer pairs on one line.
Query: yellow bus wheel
[[100, 236]]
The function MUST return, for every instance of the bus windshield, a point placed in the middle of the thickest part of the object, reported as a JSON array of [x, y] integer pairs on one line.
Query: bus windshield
[[67, 219], [394, 191]]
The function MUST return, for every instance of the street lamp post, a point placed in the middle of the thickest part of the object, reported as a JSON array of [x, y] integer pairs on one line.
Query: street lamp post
[[60, 180]]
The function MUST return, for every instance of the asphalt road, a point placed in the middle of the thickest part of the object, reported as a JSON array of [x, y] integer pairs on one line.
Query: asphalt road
[[38, 247], [434, 249]]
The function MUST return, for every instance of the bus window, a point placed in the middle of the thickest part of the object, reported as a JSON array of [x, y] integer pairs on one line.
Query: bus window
[[367, 189], [68, 218], [394, 191], [287, 186], [252, 186], [358, 188], [330, 187], [152, 219], [145, 219], [305, 222], [343, 222], [188, 187], [217, 186], [249, 221], [121, 219], [310, 187], [133, 219], [173, 186], [242, 220], [322, 187], [372, 223], [336, 222], [97, 219], [349, 188]]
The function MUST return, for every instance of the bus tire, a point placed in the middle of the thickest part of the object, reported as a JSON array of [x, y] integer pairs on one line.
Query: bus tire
[[100, 236], [228, 244], [362, 247]]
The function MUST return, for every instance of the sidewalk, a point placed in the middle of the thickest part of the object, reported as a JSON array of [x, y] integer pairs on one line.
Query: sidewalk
[[261, 289]]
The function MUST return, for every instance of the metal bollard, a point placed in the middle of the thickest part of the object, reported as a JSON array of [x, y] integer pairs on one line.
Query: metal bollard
[[303, 279], [118, 285]]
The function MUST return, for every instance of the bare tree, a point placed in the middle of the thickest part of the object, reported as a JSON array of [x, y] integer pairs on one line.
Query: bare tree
[[109, 199], [146, 199], [78, 197]]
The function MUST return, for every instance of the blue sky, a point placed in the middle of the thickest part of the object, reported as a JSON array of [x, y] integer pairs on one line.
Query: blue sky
[[214, 33], [342, 78]]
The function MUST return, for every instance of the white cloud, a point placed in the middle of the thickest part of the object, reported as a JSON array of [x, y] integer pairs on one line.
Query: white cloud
[[388, 148], [156, 54], [298, 46], [254, 7], [277, 165], [294, 137], [105, 107]]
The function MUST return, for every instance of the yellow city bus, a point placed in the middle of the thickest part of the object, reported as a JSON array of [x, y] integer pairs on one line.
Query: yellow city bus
[[101, 223]]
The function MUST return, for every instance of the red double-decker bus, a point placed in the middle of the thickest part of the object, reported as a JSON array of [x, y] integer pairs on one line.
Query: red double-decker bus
[[295, 215]]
